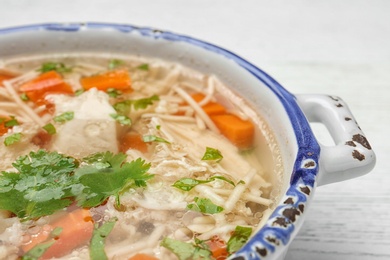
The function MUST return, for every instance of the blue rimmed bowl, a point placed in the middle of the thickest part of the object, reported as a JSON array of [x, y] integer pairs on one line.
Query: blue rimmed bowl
[[306, 163]]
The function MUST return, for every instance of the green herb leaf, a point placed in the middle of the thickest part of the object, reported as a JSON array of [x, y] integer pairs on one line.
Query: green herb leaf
[[41, 186], [212, 154], [24, 97], [37, 251], [144, 66], [50, 129], [96, 248], [67, 116], [124, 107], [153, 138], [204, 205], [122, 119], [113, 92], [100, 183], [115, 63], [11, 123], [185, 251], [59, 67], [11, 139], [79, 92], [143, 103], [238, 238], [187, 184]]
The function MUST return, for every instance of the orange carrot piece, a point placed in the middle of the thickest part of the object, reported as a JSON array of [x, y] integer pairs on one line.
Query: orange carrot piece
[[118, 79], [50, 82], [239, 132], [4, 77], [141, 256], [218, 248], [211, 108], [132, 141], [77, 228]]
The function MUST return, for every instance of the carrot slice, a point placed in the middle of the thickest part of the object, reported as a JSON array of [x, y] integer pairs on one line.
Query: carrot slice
[[239, 132], [50, 82], [211, 108], [218, 248], [77, 228], [132, 141], [140, 256], [118, 79]]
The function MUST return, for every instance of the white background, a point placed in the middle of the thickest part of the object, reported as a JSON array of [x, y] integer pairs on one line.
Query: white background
[[333, 47]]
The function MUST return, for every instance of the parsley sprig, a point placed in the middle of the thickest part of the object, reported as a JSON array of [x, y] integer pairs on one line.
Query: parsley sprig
[[56, 66], [48, 181]]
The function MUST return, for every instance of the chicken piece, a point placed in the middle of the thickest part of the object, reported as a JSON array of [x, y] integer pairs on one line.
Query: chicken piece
[[91, 130]]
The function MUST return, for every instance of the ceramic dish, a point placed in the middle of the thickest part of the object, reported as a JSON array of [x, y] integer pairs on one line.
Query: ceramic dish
[[307, 164]]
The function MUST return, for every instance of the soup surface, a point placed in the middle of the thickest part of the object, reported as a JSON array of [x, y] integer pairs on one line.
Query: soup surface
[[126, 157]]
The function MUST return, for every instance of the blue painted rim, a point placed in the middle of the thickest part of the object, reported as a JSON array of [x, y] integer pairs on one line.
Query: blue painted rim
[[278, 230]]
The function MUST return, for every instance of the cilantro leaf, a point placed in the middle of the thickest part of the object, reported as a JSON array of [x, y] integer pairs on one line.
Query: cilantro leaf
[[204, 205], [185, 251], [121, 119], [113, 92], [98, 238], [59, 67], [41, 186], [115, 63], [50, 129], [153, 138], [212, 154], [12, 122], [67, 116], [101, 183], [239, 237], [143, 66], [187, 184], [37, 251], [124, 107], [11, 139]]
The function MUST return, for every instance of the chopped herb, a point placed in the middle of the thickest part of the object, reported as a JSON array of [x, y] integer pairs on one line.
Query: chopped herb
[[212, 154], [185, 251], [11, 139], [96, 248], [158, 127], [187, 184], [113, 92], [40, 187], [204, 205], [12, 122], [124, 107], [115, 63], [67, 116], [241, 182], [239, 237], [47, 181], [101, 183], [50, 129], [37, 251], [79, 92], [121, 119], [153, 138], [144, 66], [24, 97], [59, 67]]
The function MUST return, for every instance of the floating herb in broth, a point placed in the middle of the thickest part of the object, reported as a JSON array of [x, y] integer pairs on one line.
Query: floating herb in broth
[[128, 157]]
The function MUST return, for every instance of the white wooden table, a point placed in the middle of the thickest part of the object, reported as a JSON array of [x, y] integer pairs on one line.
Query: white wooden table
[[333, 47]]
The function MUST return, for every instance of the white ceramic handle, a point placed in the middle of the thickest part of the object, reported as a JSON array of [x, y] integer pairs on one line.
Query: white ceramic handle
[[352, 155]]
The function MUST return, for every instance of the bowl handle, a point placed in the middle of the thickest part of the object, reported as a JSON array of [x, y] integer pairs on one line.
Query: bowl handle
[[352, 155]]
